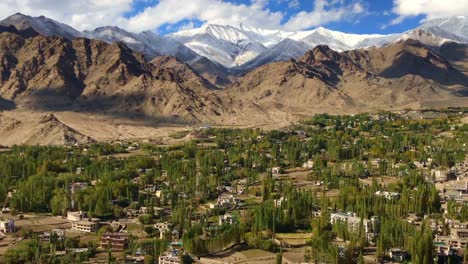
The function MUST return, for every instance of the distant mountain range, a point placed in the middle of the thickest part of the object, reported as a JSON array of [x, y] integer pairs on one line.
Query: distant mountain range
[[221, 74], [241, 47]]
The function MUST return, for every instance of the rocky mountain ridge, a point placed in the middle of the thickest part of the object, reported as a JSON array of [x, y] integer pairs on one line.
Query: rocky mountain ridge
[[51, 74]]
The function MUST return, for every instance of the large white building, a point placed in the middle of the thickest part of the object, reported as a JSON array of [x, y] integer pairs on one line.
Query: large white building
[[76, 216], [441, 175], [227, 219], [371, 227], [169, 257], [86, 225], [7, 226]]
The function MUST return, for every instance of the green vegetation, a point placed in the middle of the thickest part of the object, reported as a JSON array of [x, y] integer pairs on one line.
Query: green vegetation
[[350, 155]]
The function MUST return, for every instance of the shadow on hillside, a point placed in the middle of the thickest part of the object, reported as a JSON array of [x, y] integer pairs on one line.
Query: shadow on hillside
[[118, 107], [407, 64], [6, 104]]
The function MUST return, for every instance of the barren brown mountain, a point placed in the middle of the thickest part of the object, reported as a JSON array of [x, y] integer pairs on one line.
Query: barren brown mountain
[[54, 74], [397, 76]]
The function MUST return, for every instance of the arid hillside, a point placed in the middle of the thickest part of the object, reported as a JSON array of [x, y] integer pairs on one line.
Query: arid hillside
[[45, 75]]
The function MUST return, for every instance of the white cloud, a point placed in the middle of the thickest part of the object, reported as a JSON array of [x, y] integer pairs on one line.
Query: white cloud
[[324, 12], [428, 8], [294, 4], [212, 11], [187, 26], [89, 14], [83, 14]]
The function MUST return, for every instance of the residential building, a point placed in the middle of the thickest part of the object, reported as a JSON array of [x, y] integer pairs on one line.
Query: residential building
[[78, 186], [456, 224], [280, 201], [458, 192], [45, 237], [457, 239], [308, 164], [275, 170], [163, 228], [76, 216], [371, 227], [175, 235], [226, 200], [169, 257], [86, 225], [227, 219], [388, 195], [7, 226], [115, 241], [398, 254], [441, 175], [151, 188], [441, 246]]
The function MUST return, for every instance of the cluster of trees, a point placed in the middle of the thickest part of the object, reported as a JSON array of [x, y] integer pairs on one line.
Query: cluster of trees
[[32, 250], [342, 148]]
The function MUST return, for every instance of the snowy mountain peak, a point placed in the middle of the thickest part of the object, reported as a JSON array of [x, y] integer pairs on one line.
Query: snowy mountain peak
[[41, 24], [455, 28], [243, 45], [424, 37], [112, 34]]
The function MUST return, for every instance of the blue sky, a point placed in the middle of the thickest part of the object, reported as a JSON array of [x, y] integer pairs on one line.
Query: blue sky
[[376, 19], [166, 16]]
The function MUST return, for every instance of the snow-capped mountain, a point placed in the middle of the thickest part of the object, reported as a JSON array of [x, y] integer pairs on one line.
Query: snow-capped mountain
[[244, 47], [285, 50], [147, 42], [424, 37], [454, 28], [226, 45], [235, 46], [41, 24]]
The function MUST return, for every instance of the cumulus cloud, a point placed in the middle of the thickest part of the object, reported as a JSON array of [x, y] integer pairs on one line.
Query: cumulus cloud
[[428, 8], [83, 14], [88, 14], [324, 12], [294, 4], [212, 11]]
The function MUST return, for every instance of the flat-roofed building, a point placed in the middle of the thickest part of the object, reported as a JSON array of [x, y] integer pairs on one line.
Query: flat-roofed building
[[115, 241], [169, 257], [76, 216], [46, 236], [7, 226], [86, 225]]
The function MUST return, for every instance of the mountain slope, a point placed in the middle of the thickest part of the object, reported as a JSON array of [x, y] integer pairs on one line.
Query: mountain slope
[[426, 38], [400, 75], [213, 49], [41, 24], [42, 129], [454, 28], [283, 51], [52, 73], [226, 45], [48, 73]]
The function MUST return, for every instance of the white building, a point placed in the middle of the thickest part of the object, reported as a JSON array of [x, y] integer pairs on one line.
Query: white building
[[169, 257], [226, 200], [86, 225], [308, 164], [388, 195], [371, 227], [440, 175], [76, 216], [7, 226], [275, 170], [227, 219], [45, 237], [163, 228]]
